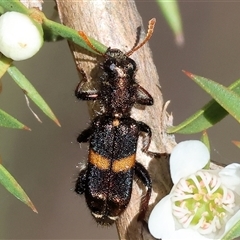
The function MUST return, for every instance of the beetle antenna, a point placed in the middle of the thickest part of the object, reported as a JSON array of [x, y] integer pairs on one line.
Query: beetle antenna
[[151, 25], [137, 37], [87, 41]]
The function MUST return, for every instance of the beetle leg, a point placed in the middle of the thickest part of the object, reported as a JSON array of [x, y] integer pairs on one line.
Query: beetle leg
[[143, 97], [146, 139], [143, 175], [80, 185], [85, 95], [85, 135]]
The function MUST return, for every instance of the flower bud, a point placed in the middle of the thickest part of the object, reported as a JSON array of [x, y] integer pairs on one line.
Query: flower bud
[[20, 36]]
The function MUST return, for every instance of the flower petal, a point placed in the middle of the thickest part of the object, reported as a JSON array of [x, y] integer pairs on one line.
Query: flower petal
[[230, 177], [185, 234], [161, 221], [188, 157]]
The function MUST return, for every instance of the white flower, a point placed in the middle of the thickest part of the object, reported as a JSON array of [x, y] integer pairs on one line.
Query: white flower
[[203, 204], [20, 36]]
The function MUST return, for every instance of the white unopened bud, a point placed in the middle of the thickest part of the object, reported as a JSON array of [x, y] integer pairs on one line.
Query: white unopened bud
[[20, 36]]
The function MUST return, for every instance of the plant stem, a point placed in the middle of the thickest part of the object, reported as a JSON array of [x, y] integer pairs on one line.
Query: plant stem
[[104, 21]]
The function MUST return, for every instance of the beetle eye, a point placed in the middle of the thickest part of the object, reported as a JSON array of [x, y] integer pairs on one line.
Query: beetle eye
[[112, 66], [109, 65], [133, 65], [130, 67]]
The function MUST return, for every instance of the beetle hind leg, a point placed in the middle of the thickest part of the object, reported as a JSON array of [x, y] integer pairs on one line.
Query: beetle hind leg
[[143, 175]]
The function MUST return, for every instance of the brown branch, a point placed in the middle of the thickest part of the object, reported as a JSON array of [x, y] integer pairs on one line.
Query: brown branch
[[115, 23], [32, 3]]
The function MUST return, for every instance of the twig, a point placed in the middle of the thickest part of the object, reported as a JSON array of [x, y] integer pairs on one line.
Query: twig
[[115, 23]]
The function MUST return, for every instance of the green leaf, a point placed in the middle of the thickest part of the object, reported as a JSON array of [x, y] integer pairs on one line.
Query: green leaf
[[16, 6], [205, 140], [31, 92], [233, 233], [206, 117], [8, 121], [225, 97], [53, 31], [172, 15], [237, 143], [8, 181], [4, 64]]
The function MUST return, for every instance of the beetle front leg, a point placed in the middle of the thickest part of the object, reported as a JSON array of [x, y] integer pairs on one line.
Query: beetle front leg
[[85, 95], [143, 97]]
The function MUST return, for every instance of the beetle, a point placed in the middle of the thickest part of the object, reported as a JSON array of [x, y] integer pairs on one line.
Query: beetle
[[108, 177], [107, 180]]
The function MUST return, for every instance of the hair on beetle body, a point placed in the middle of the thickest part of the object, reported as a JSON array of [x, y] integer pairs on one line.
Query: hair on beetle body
[[107, 179], [119, 90]]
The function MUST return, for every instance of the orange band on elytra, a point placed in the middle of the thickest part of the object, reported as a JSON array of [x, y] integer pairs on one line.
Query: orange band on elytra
[[105, 163], [124, 163], [98, 160]]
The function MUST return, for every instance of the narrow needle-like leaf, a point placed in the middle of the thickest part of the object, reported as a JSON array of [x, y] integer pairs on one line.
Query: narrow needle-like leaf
[[16, 6], [228, 99], [7, 120], [172, 15], [4, 65], [237, 143], [52, 30], [233, 233], [206, 117], [205, 140], [31, 92], [8, 181]]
